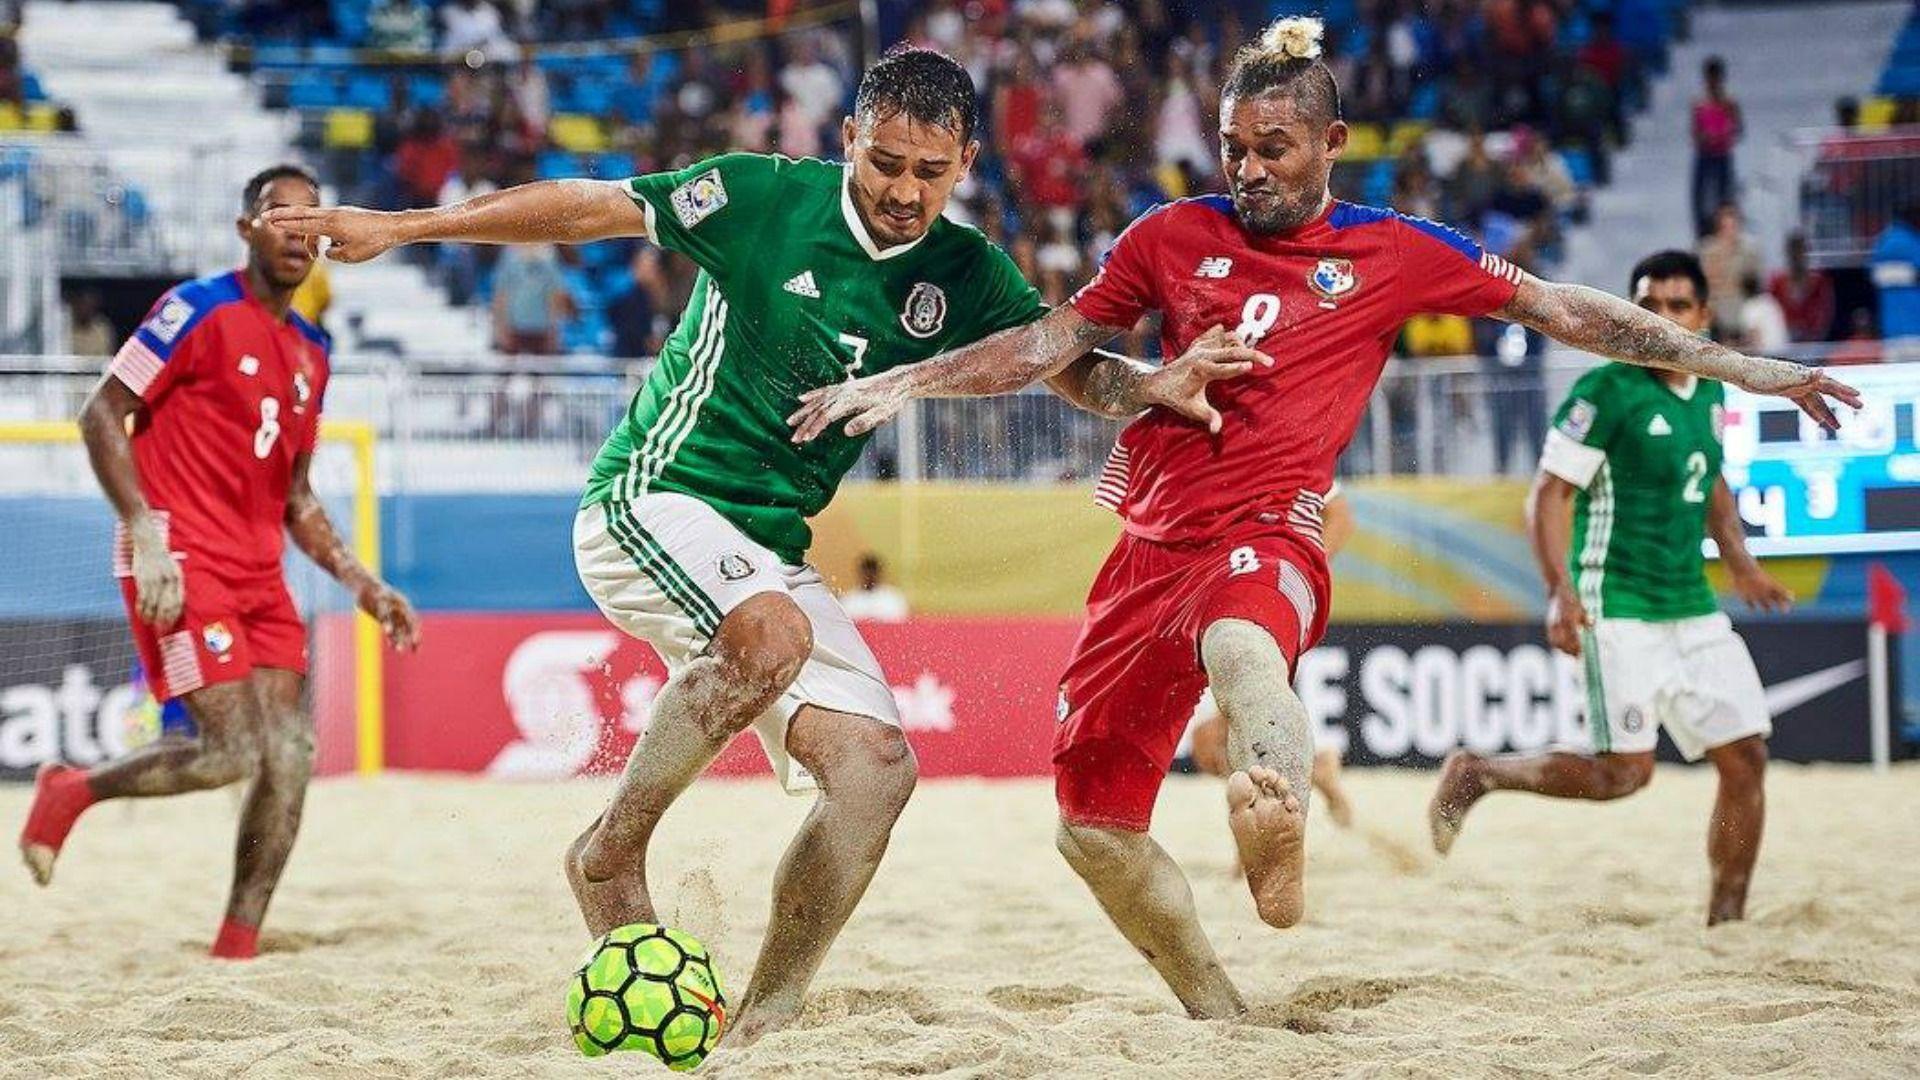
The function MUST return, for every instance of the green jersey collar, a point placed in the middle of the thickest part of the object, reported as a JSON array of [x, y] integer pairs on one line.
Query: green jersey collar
[[859, 228]]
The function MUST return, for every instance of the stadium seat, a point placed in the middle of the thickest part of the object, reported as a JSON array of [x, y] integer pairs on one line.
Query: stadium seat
[[1405, 134], [578, 133], [368, 89], [348, 129], [1365, 142], [557, 165], [309, 90], [1876, 113], [30, 87], [1579, 165]]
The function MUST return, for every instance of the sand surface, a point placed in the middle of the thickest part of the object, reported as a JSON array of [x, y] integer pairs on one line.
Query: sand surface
[[424, 930]]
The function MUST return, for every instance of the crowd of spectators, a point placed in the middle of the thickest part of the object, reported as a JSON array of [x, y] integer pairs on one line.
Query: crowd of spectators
[[1492, 114]]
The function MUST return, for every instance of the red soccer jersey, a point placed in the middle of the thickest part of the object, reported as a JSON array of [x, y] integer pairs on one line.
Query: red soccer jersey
[[1326, 301], [232, 397]]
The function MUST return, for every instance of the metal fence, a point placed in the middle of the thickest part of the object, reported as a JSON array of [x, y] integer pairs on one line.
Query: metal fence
[[1853, 187], [535, 425]]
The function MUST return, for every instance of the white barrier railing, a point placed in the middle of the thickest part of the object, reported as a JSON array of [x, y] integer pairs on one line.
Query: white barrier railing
[[535, 424]]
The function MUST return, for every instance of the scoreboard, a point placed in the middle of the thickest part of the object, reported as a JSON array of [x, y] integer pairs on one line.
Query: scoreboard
[[1805, 491]]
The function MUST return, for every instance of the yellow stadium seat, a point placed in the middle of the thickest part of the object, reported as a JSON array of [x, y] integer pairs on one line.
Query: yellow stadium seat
[[1439, 335], [1365, 142], [348, 129], [1876, 113], [577, 134], [10, 117], [43, 117], [1406, 133]]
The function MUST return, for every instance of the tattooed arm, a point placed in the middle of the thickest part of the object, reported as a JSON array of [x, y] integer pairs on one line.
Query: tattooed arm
[[1592, 320], [314, 534], [1104, 383]]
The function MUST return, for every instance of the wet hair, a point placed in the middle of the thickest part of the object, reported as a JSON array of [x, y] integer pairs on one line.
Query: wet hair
[[250, 196], [928, 86], [1285, 59], [1664, 265]]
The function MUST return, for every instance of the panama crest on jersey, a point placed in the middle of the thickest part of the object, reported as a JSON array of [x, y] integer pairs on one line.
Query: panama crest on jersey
[[1332, 279], [926, 310]]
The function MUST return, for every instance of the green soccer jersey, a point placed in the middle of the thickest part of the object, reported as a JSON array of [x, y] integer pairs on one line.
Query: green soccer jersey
[[792, 294], [1646, 457]]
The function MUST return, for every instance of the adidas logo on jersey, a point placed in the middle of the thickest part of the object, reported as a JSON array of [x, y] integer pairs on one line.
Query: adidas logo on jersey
[[801, 284], [1659, 425]]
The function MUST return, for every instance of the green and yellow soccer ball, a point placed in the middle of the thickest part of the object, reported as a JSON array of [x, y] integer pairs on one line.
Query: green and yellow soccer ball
[[648, 988]]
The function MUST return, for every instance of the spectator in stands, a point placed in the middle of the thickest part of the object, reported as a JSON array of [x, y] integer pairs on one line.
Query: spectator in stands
[[1805, 295], [633, 313], [1019, 100], [874, 600], [1087, 92], [528, 88], [426, 157], [530, 301], [400, 26], [1046, 168], [1846, 113], [13, 82], [1727, 255], [89, 332], [1895, 269], [1763, 325], [1474, 183], [813, 84], [474, 26], [1717, 126], [1180, 131]]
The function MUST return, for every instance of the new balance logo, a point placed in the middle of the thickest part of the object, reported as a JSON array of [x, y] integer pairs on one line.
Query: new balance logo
[[801, 284], [1217, 266], [1659, 425]]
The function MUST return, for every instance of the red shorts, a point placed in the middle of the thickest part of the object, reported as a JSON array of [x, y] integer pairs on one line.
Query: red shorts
[[1135, 677], [224, 631]]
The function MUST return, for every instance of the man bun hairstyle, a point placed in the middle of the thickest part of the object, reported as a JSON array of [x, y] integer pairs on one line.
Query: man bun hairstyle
[[1664, 265], [1285, 59], [928, 86], [250, 195]]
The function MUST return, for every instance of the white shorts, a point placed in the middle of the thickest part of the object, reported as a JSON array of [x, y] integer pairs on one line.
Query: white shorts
[[1692, 676], [667, 568]]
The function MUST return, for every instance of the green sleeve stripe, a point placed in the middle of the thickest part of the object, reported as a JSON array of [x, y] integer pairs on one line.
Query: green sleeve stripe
[[659, 567], [1598, 726]]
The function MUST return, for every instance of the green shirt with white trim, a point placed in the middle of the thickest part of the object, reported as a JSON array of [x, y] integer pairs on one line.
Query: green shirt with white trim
[[1645, 457], [793, 293]]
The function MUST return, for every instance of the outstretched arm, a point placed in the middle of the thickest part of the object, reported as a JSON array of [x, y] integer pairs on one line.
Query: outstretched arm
[[1592, 320], [314, 534], [548, 211], [1104, 383], [1550, 532]]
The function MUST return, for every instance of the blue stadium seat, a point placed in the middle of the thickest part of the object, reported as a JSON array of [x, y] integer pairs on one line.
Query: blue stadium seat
[[427, 90], [313, 91], [1579, 165], [30, 87], [368, 89], [557, 165]]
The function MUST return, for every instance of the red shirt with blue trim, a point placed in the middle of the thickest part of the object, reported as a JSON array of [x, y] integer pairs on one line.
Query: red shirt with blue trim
[[1325, 300], [232, 396]]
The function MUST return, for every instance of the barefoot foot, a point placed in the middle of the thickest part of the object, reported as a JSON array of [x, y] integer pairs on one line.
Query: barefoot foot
[[608, 900], [1270, 827], [1461, 785], [757, 1018]]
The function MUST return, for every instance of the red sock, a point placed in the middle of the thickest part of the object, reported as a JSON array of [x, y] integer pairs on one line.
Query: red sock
[[60, 795], [237, 941]]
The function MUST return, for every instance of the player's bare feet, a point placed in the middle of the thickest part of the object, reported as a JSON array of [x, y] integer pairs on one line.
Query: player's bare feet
[[1461, 785], [1333, 795], [60, 793], [1270, 827], [757, 1018], [608, 900]]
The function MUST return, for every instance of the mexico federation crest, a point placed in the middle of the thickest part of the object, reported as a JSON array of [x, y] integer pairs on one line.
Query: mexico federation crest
[[926, 311], [1332, 279], [734, 567], [218, 638], [1634, 720]]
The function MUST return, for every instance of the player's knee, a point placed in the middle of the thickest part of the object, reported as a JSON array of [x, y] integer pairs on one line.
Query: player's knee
[[1089, 850], [886, 769], [1624, 774], [288, 753], [765, 642], [1742, 762]]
